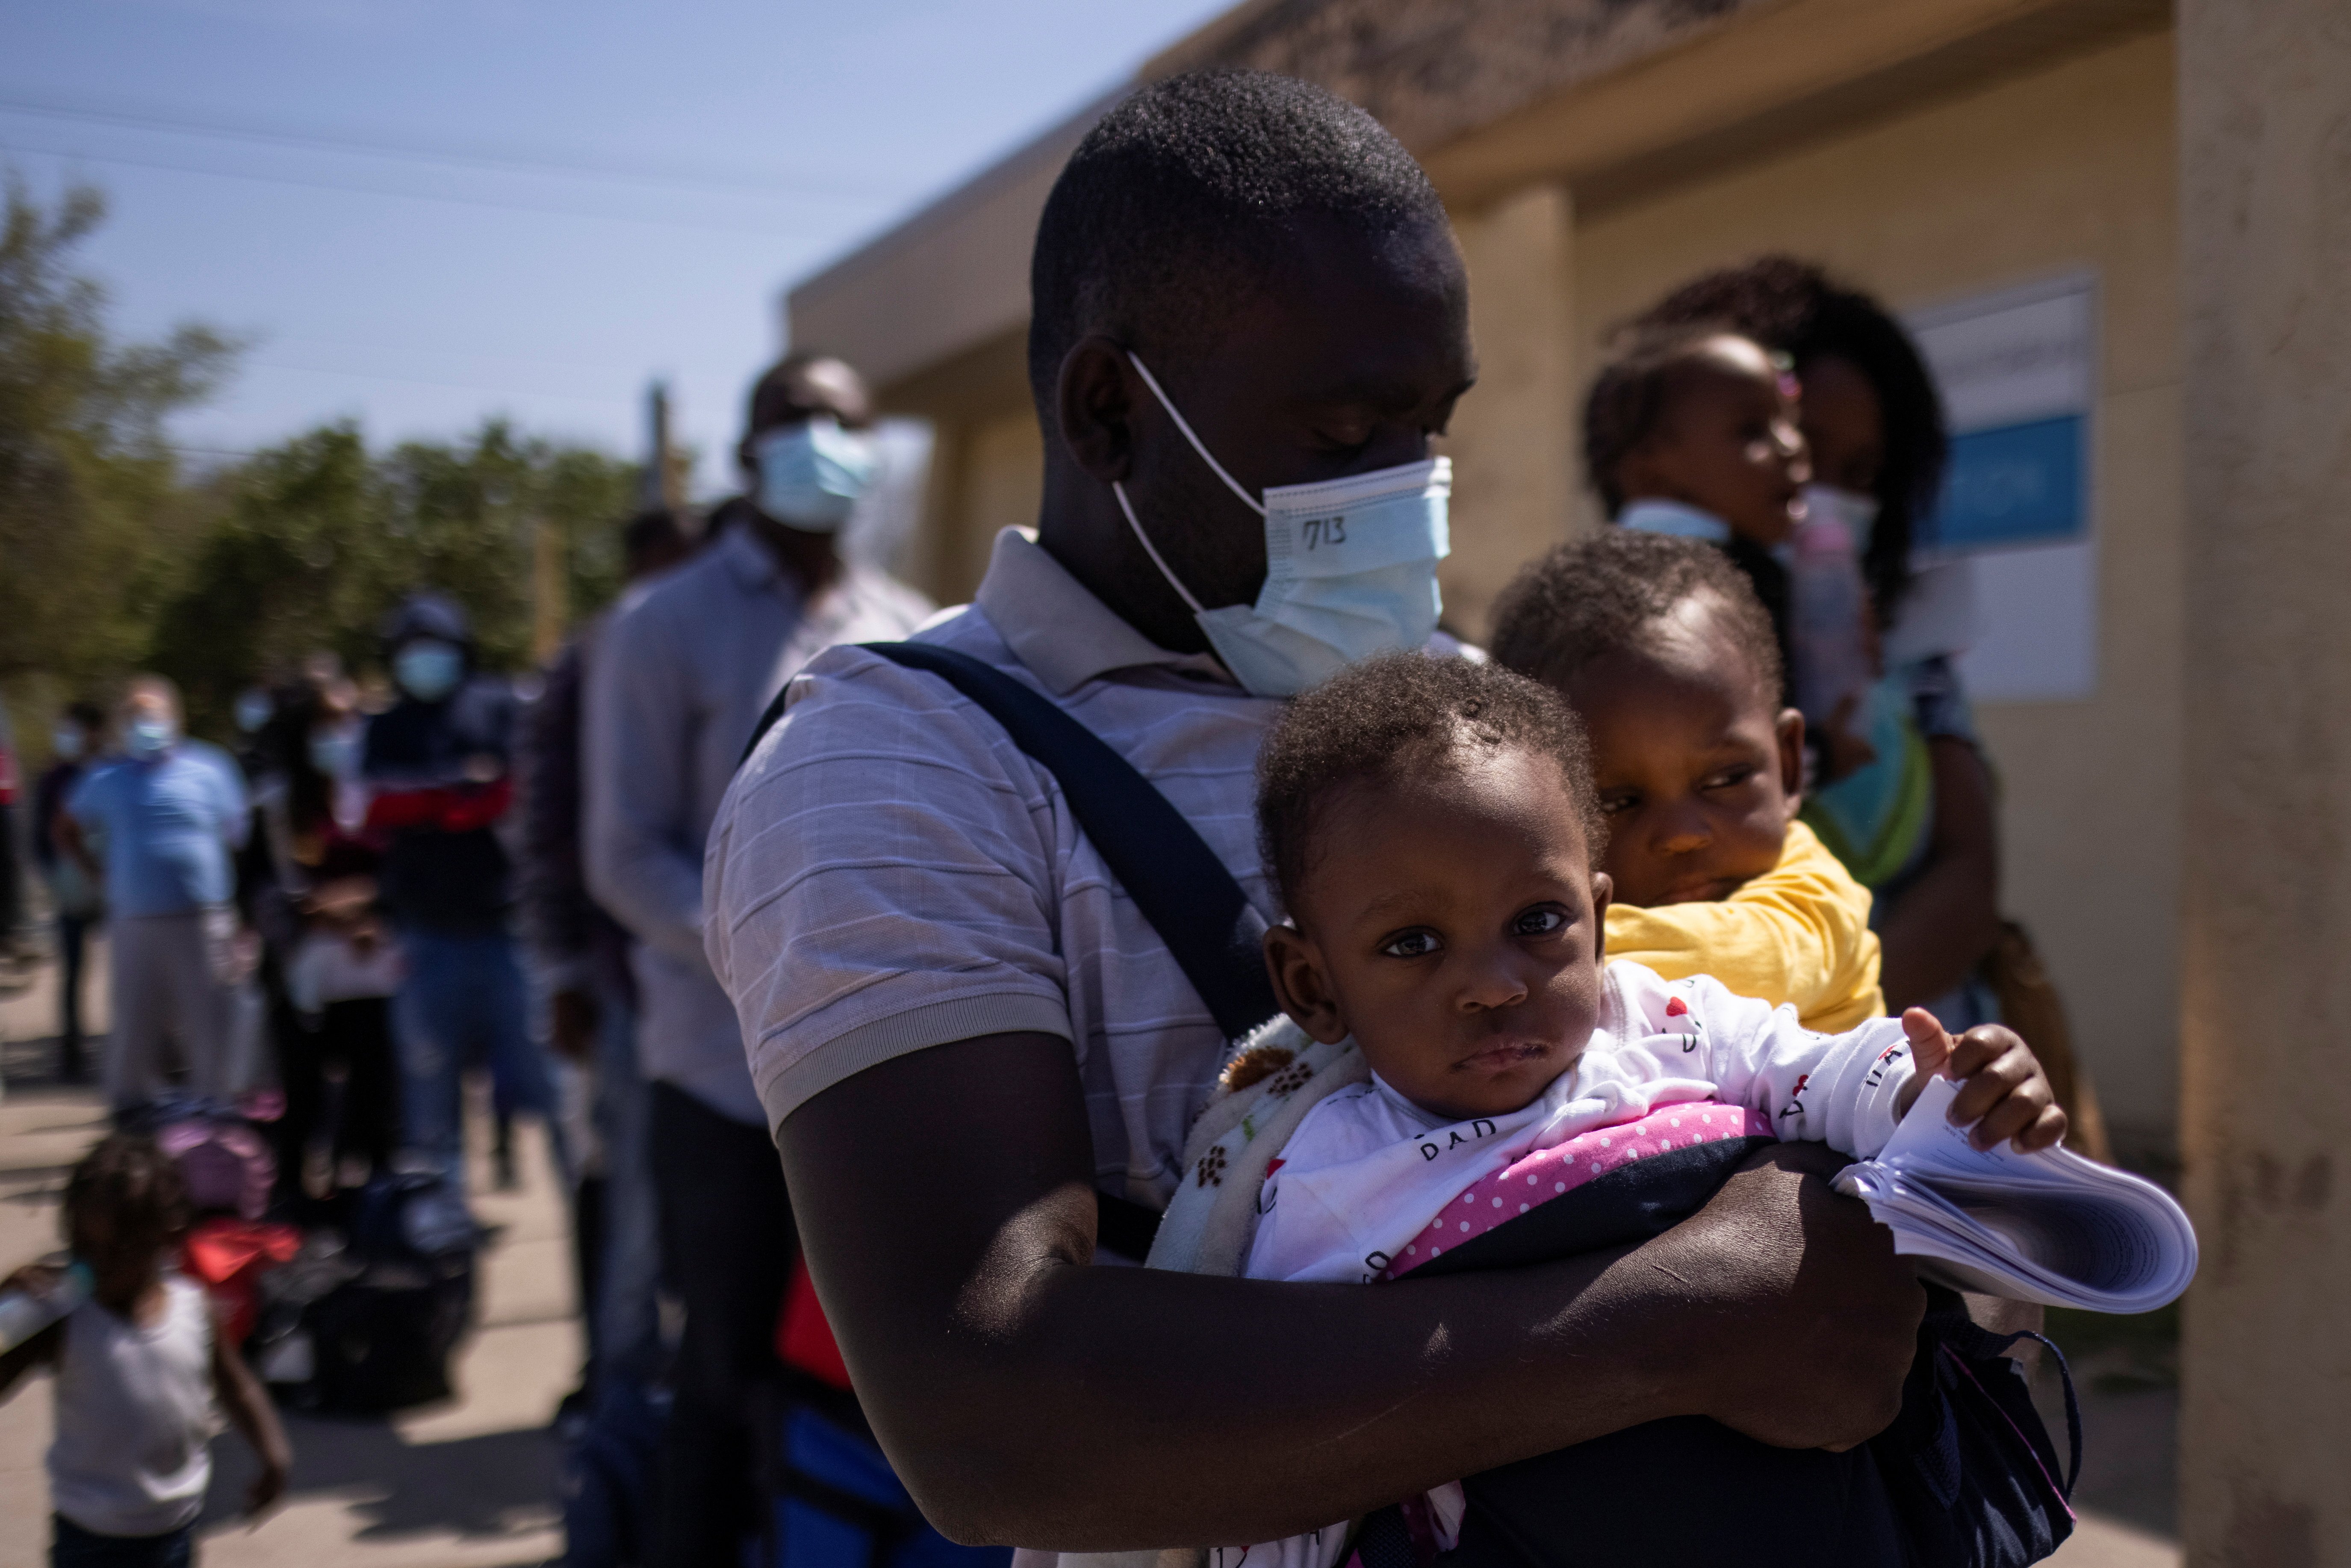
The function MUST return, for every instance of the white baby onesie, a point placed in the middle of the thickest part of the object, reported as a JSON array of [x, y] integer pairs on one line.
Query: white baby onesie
[[1369, 1175]]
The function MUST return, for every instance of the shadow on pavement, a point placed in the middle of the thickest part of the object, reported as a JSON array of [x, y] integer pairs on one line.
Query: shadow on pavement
[[480, 1488]]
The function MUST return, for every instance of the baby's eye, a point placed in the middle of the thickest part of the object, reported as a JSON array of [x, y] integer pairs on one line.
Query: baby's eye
[[1729, 776], [1411, 945], [1611, 805], [1540, 922]]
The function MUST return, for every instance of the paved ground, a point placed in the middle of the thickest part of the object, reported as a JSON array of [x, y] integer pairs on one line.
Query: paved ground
[[469, 1484]]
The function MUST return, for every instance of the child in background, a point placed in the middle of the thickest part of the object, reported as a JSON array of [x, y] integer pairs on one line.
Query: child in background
[[1431, 825], [1660, 646], [1692, 431], [142, 1371]]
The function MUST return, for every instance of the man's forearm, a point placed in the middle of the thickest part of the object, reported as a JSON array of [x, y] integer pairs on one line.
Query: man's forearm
[[1030, 1399]]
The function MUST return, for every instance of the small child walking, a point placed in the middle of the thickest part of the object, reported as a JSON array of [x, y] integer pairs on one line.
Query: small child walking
[[143, 1374]]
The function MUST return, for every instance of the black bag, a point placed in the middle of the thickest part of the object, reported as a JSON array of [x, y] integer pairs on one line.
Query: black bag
[[381, 1340], [1965, 1476]]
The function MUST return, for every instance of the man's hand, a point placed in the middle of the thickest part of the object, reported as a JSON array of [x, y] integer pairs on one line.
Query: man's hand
[[1806, 1287], [2003, 1089]]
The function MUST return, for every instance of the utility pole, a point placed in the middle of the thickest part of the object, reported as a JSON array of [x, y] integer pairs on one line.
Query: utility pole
[[664, 481]]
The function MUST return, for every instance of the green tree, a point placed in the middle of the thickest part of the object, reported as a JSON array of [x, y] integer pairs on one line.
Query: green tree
[[93, 521], [315, 540]]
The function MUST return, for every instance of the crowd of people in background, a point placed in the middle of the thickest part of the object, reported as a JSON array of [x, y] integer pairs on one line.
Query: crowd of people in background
[[429, 870]]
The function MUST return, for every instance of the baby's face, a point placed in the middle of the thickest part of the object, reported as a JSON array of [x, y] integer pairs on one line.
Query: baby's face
[[1451, 921], [1697, 767], [1728, 444]]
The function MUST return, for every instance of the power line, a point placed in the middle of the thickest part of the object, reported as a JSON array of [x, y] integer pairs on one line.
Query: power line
[[671, 176], [346, 186], [432, 381]]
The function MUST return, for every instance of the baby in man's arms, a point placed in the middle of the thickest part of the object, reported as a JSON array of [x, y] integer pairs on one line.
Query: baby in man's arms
[[1434, 830]]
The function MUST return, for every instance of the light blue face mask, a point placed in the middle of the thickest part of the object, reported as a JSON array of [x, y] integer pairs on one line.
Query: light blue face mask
[[335, 753], [1349, 569], [253, 710], [811, 473], [428, 669], [148, 738]]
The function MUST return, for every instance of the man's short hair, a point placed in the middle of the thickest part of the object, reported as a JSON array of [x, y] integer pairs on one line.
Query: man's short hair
[[1399, 714], [1605, 594], [148, 684], [1178, 203]]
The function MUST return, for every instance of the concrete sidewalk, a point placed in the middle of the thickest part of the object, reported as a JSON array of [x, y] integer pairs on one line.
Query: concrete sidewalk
[[469, 1483]]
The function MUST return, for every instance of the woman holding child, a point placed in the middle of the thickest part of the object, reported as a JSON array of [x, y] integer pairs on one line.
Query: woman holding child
[[1766, 408]]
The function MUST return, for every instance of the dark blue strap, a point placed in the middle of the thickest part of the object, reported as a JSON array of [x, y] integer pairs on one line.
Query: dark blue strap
[[2072, 1405], [1161, 860]]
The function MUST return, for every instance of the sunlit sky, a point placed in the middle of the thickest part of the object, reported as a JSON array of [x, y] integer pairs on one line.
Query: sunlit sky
[[421, 214]]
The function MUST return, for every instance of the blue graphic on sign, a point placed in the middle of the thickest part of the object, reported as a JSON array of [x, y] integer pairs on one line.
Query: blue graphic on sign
[[2014, 484]]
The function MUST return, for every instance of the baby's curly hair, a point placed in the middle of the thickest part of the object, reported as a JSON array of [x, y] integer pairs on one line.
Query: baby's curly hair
[[1584, 600], [1397, 713], [130, 1179]]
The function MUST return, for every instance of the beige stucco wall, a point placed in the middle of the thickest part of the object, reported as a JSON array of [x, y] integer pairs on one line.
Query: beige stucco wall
[[2067, 168], [2266, 172]]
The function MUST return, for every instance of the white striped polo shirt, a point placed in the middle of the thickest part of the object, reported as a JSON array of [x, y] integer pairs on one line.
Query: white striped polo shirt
[[889, 872]]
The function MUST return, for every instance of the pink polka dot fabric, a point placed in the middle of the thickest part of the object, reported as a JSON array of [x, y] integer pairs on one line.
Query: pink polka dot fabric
[[1554, 1172]]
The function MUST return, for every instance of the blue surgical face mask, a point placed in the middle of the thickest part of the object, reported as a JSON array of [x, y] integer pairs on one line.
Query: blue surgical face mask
[[252, 711], [335, 752], [147, 738], [428, 669], [811, 473], [66, 744], [1349, 569]]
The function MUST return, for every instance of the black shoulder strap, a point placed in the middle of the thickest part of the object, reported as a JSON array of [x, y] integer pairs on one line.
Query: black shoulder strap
[[1172, 875]]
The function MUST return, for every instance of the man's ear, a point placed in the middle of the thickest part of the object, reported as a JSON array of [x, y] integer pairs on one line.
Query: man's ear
[[1789, 730], [1604, 894], [1301, 983], [1094, 400]]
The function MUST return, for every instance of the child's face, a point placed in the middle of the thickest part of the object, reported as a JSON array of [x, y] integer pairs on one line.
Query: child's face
[[1727, 442], [1451, 921], [1697, 769]]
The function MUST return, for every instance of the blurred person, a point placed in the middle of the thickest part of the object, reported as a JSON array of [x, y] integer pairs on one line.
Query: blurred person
[[17, 953], [1692, 432], [333, 958], [438, 771], [165, 818], [1873, 423], [144, 1370], [678, 680], [592, 999], [75, 894]]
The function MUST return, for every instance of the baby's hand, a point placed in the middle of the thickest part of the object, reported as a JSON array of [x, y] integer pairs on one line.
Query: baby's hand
[[34, 1278], [2001, 1087]]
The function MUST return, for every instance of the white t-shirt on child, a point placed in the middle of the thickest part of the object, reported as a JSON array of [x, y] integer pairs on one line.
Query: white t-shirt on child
[[1359, 1190], [134, 1414]]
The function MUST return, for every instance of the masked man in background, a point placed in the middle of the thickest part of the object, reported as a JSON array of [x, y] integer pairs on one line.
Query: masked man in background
[[438, 769], [679, 681], [165, 820]]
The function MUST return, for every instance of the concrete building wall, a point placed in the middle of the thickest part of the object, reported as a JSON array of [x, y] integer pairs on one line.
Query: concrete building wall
[[2063, 168]]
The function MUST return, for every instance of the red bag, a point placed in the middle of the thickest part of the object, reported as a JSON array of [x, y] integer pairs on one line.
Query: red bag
[[803, 1339], [229, 1257]]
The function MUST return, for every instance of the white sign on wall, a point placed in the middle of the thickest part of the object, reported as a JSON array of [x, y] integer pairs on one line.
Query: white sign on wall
[[2012, 532]]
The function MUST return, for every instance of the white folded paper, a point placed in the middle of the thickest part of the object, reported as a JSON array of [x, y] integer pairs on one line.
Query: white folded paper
[[2052, 1227]]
